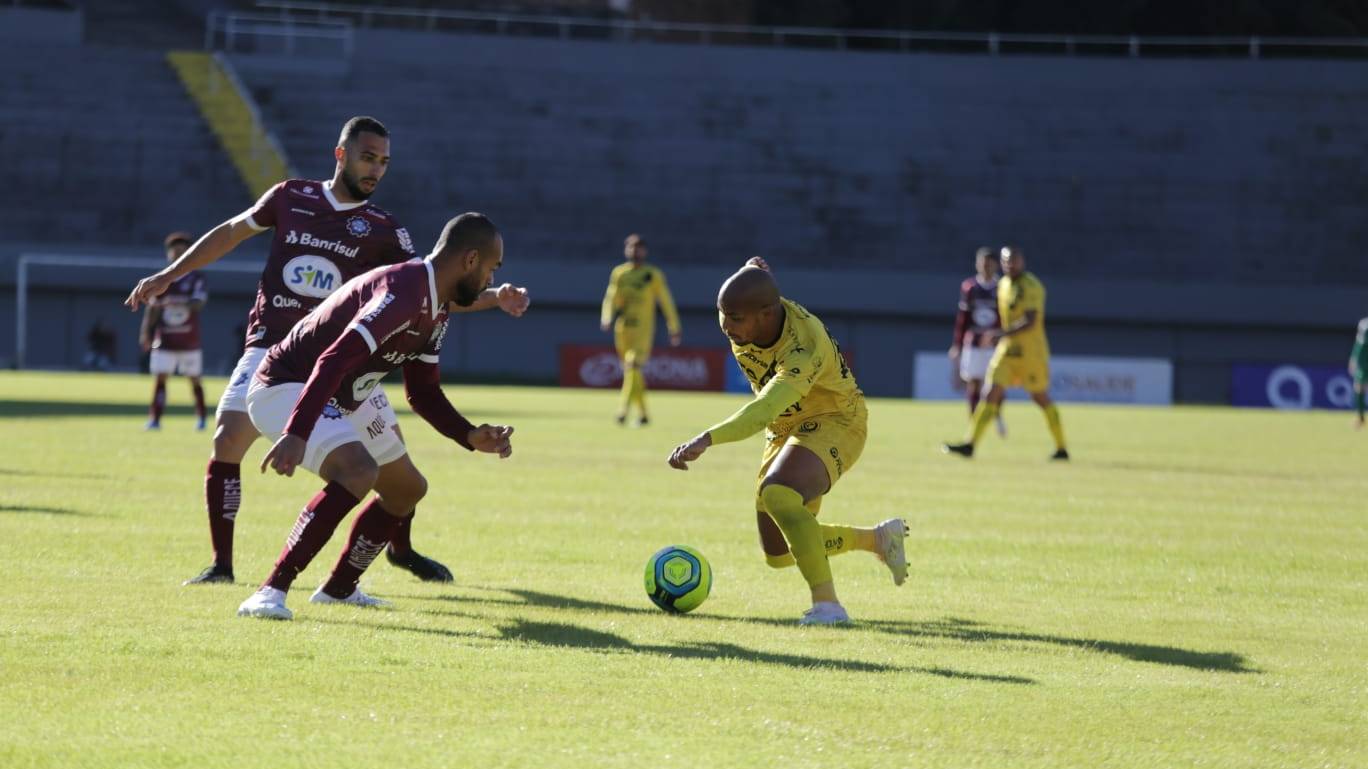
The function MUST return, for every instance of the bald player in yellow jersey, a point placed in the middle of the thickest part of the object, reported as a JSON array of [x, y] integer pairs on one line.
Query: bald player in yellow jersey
[[629, 309], [814, 418], [1022, 357]]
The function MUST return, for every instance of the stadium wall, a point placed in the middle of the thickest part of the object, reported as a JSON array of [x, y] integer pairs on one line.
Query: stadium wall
[[885, 317]]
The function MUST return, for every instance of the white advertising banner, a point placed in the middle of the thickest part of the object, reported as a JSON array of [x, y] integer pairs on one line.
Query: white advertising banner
[[1072, 378]]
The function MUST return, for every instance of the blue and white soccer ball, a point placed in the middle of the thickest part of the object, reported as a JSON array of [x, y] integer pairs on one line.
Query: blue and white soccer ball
[[678, 578]]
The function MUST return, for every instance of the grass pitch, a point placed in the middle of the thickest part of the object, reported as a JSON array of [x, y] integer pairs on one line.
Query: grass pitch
[[1191, 590]]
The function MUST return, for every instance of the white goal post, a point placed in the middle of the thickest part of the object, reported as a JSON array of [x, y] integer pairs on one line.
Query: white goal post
[[22, 280]]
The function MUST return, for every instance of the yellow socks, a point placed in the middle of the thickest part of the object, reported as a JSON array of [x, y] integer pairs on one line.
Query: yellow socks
[[633, 390], [983, 416], [802, 531], [1056, 426]]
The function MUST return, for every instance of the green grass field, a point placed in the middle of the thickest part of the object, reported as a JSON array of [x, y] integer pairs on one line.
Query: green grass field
[[1191, 591]]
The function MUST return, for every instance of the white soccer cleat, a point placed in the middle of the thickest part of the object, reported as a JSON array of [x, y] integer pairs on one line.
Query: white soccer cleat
[[891, 534], [825, 613], [357, 598], [266, 603]]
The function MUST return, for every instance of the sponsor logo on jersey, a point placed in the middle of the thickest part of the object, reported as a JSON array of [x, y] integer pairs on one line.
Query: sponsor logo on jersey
[[358, 227], [305, 239], [304, 211], [397, 357], [377, 307], [312, 276], [286, 302], [175, 315], [332, 410], [308, 189], [438, 336], [306, 192], [362, 386], [405, 240]]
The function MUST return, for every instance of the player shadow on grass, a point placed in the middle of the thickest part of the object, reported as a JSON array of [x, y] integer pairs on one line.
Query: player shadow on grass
[[567, 636], [55, 408], [952, 628], [41, 509]]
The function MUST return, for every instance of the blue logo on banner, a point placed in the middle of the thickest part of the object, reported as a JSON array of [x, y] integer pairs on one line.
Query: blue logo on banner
[[1291, 387]]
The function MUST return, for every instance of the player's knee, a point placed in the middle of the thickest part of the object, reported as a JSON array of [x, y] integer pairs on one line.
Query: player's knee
[[779, 503], [415, 488], [357, 474]]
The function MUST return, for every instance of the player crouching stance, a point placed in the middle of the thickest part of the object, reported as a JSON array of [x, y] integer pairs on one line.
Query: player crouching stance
[[314, 394], [816, 419]]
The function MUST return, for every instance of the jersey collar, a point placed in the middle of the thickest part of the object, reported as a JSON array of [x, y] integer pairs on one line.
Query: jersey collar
[[432, 287], [332, 201]]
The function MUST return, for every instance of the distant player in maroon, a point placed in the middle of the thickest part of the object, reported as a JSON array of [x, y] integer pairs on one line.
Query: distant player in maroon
[[170, 332], [326, 232], [315, 391], [971, 348]]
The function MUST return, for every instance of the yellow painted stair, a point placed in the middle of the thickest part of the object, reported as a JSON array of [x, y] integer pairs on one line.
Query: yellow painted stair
[[227, 108]]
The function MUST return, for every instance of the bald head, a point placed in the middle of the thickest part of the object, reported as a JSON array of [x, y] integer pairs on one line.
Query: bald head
[[750, 289]]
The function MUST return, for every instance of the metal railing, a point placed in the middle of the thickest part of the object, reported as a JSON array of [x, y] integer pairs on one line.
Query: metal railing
[[992, 43], [237, 32]]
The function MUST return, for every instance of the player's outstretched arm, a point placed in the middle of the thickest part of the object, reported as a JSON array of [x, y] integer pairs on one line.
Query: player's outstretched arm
[[688, 451], [512, 299], [207, 250], [423, 390]]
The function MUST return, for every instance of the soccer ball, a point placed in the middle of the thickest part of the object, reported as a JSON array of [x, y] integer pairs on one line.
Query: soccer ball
[[678, 578]]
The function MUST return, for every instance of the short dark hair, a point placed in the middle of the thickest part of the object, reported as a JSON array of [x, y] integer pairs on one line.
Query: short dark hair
[[362, 124], [467, 231], [634, 240], [983, 253], [178, 237]]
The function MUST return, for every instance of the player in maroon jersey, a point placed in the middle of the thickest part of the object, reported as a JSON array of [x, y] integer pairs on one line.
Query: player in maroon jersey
[[315, 392], [972, 347], [325, 234], [171, 333]]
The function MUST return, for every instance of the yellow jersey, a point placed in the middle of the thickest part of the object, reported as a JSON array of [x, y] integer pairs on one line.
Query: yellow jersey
[[805, 364], [1015, 298], [630, 302]]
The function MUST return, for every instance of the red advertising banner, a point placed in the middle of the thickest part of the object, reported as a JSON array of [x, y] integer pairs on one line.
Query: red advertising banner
[[670, 368]]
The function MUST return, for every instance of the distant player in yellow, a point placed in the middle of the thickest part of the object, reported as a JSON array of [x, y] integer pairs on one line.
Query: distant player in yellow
[[1022, 357], [629, 309], [814, 418]]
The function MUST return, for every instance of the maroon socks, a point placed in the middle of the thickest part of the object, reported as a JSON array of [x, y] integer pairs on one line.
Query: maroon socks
[[311, 531], [222, 494], [370, 533]]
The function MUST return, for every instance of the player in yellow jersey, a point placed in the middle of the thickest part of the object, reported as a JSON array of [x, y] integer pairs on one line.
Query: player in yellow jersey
[[814, 418], [1022, 357], [629, 309]]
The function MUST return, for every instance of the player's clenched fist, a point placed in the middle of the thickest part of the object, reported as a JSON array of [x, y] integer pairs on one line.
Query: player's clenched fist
[[685, 453], [148, 289], [513, 299], [492, 439], [285, 455]]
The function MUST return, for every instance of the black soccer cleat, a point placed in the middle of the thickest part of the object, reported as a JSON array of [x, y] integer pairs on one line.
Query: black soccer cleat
[[212, 575], [1061, 455], [420, 566], [965, 450]]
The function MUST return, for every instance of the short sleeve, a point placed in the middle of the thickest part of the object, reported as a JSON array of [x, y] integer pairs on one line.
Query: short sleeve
[[1032, 296], [262, 214], [431, 353], [386, 313]]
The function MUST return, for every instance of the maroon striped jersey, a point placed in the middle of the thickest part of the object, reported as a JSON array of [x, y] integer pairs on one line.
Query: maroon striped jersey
[[386, 318], [178, 324], [319, 244], [978, 312]]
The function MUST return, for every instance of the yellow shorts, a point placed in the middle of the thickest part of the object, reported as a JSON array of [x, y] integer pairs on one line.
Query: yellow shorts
[[836, 439], [1029, 372], [633, 346]]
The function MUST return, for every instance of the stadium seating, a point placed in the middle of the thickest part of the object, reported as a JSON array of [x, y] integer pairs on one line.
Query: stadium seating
[[1148, 168], [108, 149]]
